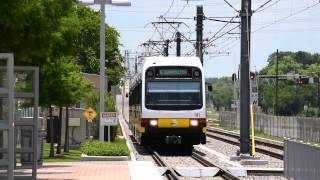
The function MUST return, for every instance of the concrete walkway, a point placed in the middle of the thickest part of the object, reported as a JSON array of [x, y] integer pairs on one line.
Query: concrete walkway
[[116, 170]]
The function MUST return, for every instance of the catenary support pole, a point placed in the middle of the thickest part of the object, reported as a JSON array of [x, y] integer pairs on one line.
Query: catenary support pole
[[245, 15], [166, 48], [318, 94], [178, 43], [276, 90], [199, 30]]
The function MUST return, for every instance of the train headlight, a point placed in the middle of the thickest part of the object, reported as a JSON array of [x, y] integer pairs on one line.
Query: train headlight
[[153, 122], [194, 122]]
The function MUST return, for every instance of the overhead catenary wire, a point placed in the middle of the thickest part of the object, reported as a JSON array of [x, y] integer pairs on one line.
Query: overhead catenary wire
[[223, 32], [261, 6], [260, 9], [212, 39], [231, 5], [286, 17], [168, 10]]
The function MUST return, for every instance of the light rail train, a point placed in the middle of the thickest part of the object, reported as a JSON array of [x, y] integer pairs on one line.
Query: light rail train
[[167, 102]]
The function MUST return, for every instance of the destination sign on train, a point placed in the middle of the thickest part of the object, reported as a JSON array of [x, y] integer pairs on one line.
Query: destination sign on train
[[174, 72]]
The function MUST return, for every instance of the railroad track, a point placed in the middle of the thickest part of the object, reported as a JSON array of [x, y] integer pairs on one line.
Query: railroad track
[[223, 173], [170, 173], [233, 138]]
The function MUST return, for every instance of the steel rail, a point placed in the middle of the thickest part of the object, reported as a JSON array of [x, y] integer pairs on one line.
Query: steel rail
[[237, 143], [223, 172], [170, 173], [257, 140], [264, 172]]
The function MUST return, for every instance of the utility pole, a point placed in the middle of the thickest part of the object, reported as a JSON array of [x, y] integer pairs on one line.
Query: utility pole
[[245, 15], [178, 43], [135, 65], [276, 93], [166, 48], [102, 69], [199, 29], [318, 94], [126, 63]]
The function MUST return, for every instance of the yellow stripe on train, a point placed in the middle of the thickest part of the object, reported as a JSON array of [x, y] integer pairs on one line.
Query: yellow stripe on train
[[173, 123]]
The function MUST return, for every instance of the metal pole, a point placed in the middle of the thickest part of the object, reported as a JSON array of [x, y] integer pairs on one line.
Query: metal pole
[[102, 69], [51, 153], [166, 48], [244, 77], [66, 141], [135, 65], [178, 44], [276, 93], [10, 137], [318, 94], [36, 126], [199, 29]]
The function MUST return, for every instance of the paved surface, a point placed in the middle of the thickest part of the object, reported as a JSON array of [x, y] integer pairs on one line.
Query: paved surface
[[85, 171]]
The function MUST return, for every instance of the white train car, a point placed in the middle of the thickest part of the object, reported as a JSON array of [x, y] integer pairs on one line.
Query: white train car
[[167, 101]]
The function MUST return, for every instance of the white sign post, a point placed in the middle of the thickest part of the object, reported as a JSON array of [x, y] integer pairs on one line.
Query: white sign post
[[108, 119]]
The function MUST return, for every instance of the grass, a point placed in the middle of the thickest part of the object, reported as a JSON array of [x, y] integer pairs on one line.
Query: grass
[[93, 148], [266, 136], [72, 156], [213, 116], [97, 148]]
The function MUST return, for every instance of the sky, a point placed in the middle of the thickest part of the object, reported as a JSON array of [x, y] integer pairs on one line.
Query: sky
[[287, 25]]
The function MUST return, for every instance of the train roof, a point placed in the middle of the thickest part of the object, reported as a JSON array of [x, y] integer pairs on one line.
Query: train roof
[[164, 61], [171, 61]]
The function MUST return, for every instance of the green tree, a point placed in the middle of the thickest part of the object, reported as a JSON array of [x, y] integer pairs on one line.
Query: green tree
[[222, 93], [292, 97], [62, 85], [87, 45], [27, 28]]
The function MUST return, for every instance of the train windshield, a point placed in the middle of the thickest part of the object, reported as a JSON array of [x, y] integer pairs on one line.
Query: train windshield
[[173, 95]]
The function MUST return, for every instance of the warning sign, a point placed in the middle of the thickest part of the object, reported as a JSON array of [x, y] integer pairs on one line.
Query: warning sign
[[89, 114], [254, 98], [109, 118]]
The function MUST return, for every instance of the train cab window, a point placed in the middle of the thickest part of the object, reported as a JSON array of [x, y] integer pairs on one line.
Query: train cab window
[[175, 95]]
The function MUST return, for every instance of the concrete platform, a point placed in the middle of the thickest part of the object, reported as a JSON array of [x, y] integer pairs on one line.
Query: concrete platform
[[143, 170], [85, 157], [197, 171]]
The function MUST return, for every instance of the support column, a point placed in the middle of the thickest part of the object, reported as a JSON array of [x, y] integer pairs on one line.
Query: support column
[[244, 77]]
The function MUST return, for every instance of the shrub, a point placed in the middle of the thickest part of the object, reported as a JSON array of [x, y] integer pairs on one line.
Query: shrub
[[98, 148]]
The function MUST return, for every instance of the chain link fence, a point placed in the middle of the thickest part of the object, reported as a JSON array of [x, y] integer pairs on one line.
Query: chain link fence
[[302, 128]]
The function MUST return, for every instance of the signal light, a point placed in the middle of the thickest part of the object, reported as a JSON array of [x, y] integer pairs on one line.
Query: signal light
[[252, 75], [301, 81], [234, 77]]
